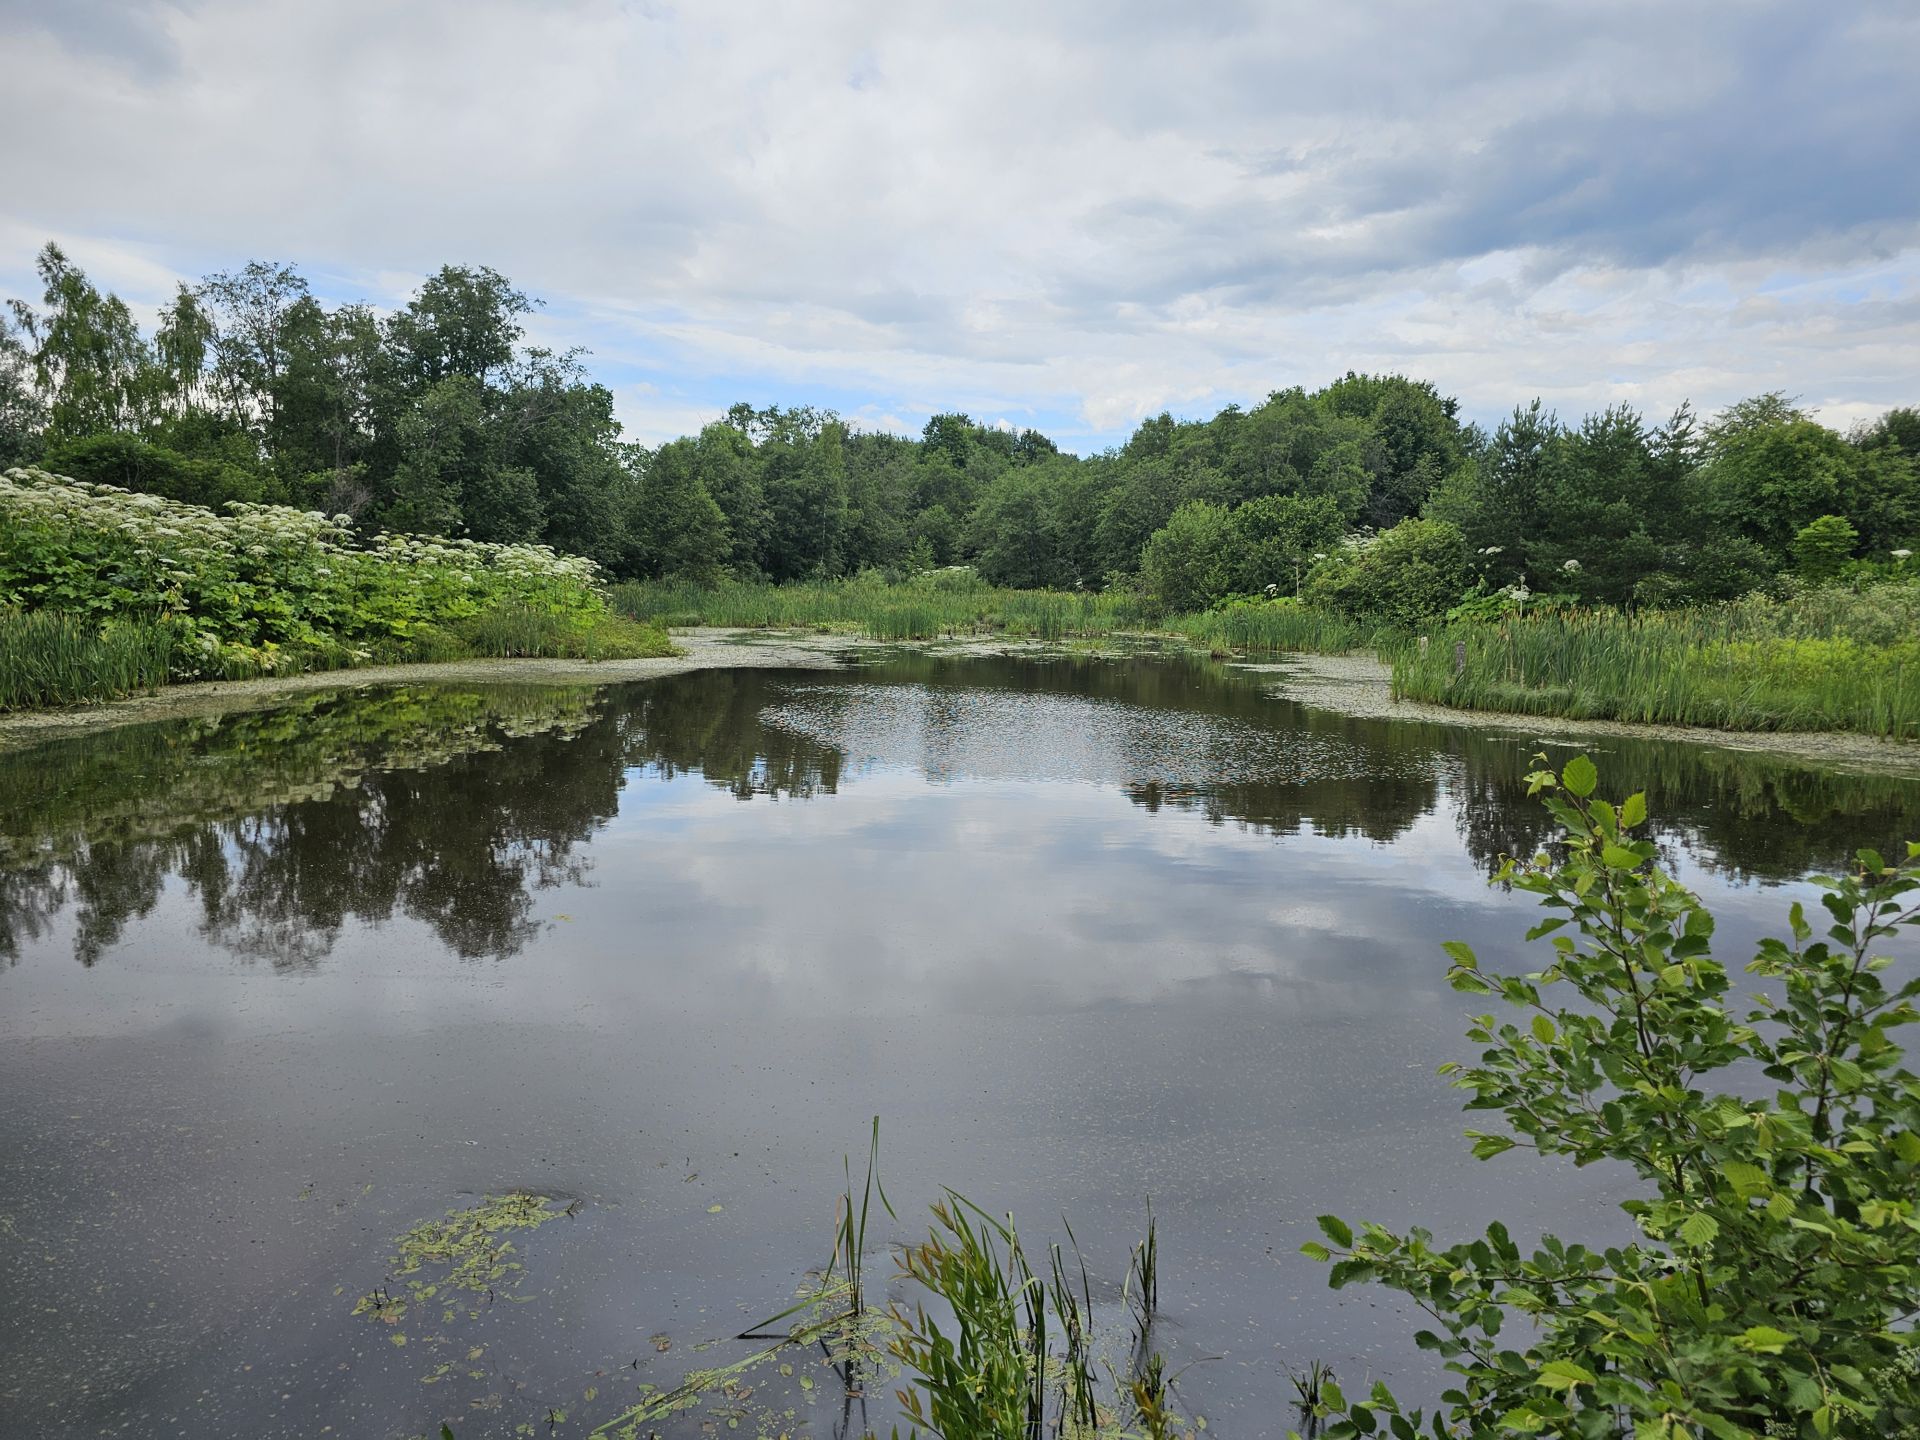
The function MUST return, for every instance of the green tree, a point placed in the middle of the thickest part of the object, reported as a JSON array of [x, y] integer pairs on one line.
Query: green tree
[[558, 427], [1774, 470], [1194, 559], [22, 415], [1278, 536], [327, 403], [803, 476], [673, 527], [243, 318], [1821, 550], [451, 479], [1409, 574], [1016, 531], [87, 356], [464, 320], [1414, 440], [1772, 1289]]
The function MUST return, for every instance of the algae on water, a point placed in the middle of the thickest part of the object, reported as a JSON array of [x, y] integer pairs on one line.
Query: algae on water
[[462, 1261]]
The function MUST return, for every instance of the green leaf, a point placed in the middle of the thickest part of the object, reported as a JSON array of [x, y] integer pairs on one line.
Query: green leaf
[[1764, 1340], [1634, 811], [1314, 1250], [1563, 1375], [1747, 1180], [1579, 776], [1618, 857], [1485, 1147], [1336, 1230], [1699, 1230], [1461, 953], [1543, 1029]]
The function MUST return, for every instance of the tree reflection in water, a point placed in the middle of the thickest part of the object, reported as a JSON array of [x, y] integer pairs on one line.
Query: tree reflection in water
[[455, 806]]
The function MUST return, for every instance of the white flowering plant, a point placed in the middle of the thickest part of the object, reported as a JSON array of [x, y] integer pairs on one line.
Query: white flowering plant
[[263, 587]]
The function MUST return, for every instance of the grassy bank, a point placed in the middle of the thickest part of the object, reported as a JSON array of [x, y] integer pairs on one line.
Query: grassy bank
[[104, 593], [936, 605], [1828, 660]]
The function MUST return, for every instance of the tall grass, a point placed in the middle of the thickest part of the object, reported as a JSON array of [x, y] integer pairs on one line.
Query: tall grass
[[1825, 661], [47, 658], [522, 631], [943, 605], [1276, 628]]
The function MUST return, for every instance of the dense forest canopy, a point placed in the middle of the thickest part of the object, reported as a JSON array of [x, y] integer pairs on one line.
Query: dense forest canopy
[[1369, 493]]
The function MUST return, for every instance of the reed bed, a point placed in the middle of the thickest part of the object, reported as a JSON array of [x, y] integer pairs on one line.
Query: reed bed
[[49, 658], [941, 606], [1821, 662], [1277, 628]]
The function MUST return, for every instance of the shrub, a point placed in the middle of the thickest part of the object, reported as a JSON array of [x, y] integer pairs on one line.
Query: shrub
[[1773, 1287], [1822, 549], [1415, 570], [1194, 559], [263, 588]]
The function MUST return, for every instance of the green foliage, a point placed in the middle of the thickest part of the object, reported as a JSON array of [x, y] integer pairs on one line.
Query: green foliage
[[47, 658], [1821, 550], [439, 419], [1276, 625], [269, 589], [1772, 470], [929, 605], [1017, 1359], [1194, 559], [1411, 572], [1773, 1285], [1825, 660], [130, 462]]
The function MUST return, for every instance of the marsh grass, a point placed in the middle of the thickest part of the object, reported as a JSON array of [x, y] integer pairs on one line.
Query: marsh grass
[[1277, 628], [49, 658], [1824, 661], [525, 631], [940, 605]]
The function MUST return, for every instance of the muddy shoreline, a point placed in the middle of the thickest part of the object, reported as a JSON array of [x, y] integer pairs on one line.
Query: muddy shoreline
[[1357, 685]]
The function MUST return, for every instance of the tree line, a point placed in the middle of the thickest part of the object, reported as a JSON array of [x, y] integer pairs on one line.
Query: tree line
[[437, 418]]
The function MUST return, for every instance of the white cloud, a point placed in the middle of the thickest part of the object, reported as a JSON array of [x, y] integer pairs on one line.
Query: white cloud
[[1066, 215]]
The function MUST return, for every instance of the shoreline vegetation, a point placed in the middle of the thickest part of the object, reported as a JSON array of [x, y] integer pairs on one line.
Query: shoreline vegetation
[[105, 593], [1825, 660], [266, 484], [110, 593]]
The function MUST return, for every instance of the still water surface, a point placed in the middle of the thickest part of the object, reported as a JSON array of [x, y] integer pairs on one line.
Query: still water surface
[[276, 987]]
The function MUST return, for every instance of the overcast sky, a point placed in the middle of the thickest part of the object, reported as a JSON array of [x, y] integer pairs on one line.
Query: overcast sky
[[1069, 215]]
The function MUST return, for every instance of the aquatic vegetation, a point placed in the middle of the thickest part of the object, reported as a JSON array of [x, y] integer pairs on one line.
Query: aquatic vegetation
[[50, 658], [1277, 626], [263, 589], [1773, 1286], [1020, 1357], [463, 1260], [933, 606], [1826, 660]]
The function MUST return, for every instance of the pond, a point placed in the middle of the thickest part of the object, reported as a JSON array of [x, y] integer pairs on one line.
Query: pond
[[277, 988]]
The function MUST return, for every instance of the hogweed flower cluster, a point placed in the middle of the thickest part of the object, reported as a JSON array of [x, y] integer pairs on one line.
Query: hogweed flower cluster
[[260, 579]]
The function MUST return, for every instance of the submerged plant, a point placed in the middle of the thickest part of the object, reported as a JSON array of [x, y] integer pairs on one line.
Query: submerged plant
[[1774, 1285]]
